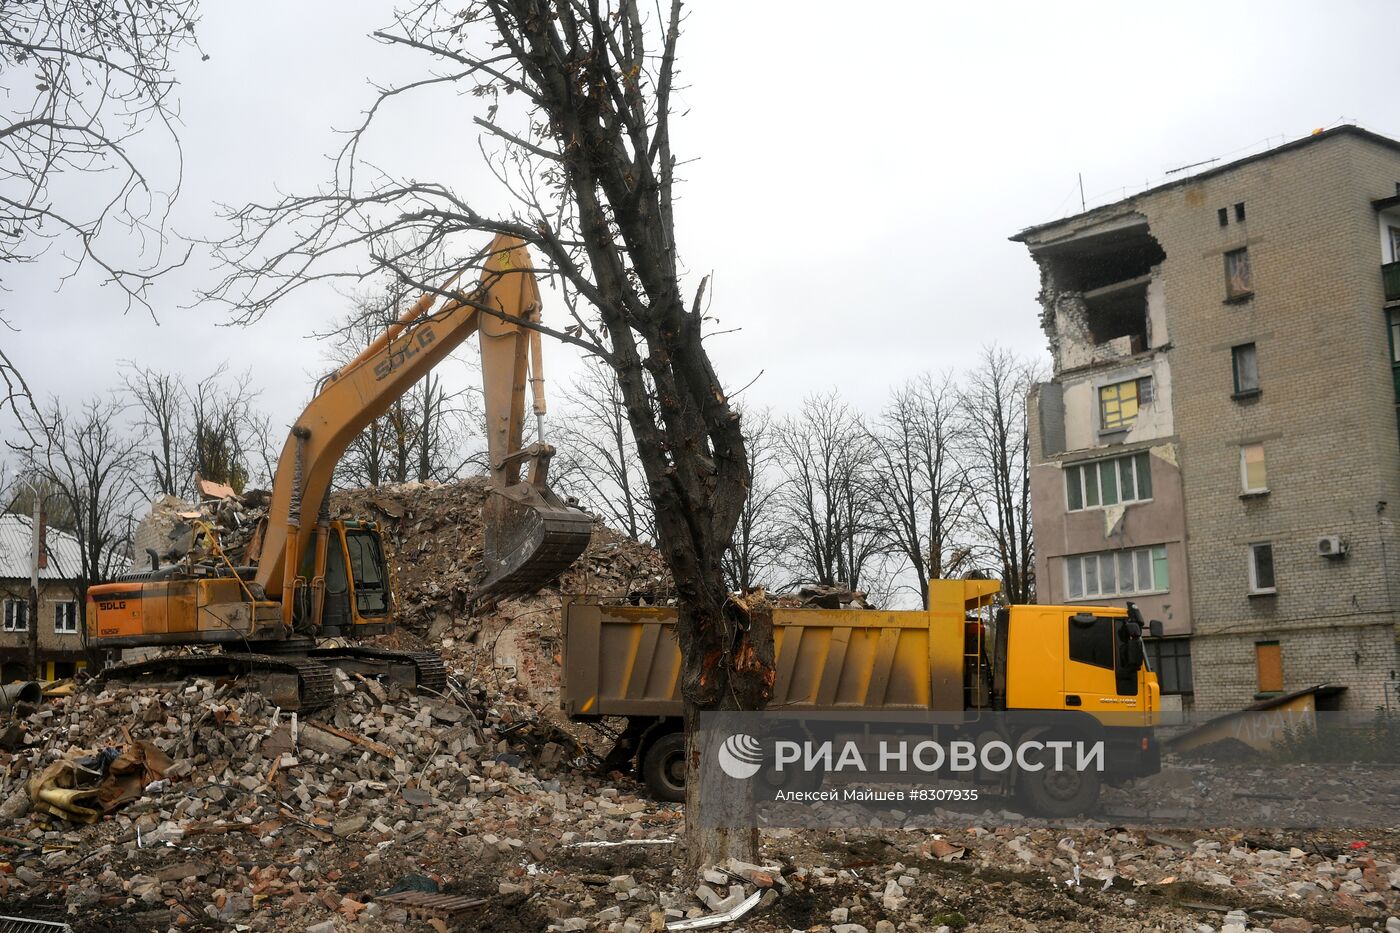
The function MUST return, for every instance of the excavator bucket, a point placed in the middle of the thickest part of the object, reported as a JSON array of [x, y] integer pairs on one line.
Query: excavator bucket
[[531, 538]]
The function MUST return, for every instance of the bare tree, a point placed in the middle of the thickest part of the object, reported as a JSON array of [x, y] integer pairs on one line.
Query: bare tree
[[159, 402], [577, 97], [213, 429], [92, 462], [922, 494], [997, 460], [826, 499], [81, 79], [756, 551], [423, 433], [597, 461]]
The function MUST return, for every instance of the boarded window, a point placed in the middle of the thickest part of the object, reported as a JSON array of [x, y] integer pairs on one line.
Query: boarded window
[[1091, 640], [1268, 659], [1239, 281], [1119, 403]]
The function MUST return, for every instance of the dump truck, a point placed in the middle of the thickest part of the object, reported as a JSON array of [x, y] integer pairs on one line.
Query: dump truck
[[1074, 671], [309, 578]]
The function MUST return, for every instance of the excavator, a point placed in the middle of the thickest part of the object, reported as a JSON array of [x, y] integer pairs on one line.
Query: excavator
[[307, 578]]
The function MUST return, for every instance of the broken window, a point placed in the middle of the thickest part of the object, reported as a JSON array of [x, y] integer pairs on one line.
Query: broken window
[[1239, 283], [1111, 271], [1119, 403], [1245, 363]]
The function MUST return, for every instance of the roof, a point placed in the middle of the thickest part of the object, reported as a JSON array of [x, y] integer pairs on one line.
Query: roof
[[16, 537], [1346, 129]]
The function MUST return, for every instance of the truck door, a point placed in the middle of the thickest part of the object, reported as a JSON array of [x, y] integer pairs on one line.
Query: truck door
[[1093, 679]]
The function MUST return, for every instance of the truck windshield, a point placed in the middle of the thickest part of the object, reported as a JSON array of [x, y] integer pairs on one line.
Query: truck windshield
[[369, 573]]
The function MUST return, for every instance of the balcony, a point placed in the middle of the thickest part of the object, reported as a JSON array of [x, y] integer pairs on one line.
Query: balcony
[[1390, 273]]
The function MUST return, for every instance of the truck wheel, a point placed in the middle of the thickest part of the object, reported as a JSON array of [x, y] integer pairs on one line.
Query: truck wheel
[[1057, 794], [663, 767]]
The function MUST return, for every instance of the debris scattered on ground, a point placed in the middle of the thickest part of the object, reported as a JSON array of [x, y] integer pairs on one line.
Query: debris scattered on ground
[[480, 810]]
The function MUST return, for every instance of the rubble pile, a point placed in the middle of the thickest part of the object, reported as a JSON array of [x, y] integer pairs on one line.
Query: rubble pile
[[263, 818], [355, 816], [433, 540]]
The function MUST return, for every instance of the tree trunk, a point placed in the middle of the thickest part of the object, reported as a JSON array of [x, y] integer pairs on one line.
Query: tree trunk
[[745, 628]]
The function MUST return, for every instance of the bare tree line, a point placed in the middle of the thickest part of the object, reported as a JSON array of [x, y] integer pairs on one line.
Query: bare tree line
[[933, 484]]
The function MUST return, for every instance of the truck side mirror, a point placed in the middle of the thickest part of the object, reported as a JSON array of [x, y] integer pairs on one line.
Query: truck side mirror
[[1130, 645], [1132, 655], [1155, 628]]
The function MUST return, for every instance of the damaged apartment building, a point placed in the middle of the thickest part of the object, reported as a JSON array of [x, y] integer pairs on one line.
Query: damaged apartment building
[[1218, 441]]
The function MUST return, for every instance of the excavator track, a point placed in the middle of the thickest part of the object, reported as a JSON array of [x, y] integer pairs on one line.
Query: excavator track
[[315, 684], [428, 670]]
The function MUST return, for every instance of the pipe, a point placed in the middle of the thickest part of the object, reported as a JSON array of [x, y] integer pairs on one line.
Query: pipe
[[27, 691]]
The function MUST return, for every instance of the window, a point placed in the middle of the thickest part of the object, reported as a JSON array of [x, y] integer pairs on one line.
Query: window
[[1239, 211], [1261, 568], [1223, 215], [1395, 244], [367, 570], [16, 615], [1393, 320], [1253, 477], [1239, 283], [1108, 482], [65, 618], [1091, 640], [1119, 403], [1117, 573], [1244, 361], [1170, 659], [1268, 662]]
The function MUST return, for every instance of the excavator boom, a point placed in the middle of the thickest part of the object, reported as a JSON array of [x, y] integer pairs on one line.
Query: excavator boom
[[531, 536]]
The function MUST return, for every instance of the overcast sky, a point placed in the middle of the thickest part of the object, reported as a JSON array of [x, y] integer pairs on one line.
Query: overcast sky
[[858, 169]]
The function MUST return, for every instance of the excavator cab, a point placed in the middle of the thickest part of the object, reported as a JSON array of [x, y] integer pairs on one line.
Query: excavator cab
[[357, 593]]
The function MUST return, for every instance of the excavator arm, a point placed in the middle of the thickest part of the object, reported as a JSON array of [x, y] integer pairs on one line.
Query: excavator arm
[[530, 535]]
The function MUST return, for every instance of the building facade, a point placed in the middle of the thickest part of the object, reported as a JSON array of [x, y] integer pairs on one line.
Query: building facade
[[1218, 441], [60, 617]]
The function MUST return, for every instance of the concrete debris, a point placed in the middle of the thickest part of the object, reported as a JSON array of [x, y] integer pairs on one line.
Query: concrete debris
[[355, 816]]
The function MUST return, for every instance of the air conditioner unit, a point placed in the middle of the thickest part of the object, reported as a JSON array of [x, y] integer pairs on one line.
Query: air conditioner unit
[[1331, 546]]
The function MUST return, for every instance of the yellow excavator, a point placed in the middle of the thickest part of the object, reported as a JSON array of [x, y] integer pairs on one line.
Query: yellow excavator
[[307, 578]]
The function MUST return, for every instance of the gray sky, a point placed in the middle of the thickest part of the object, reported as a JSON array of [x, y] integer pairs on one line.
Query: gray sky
[[856, 174]]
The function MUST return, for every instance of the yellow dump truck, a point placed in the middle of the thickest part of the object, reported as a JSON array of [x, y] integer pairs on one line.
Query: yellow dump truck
[[1076, 671]]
